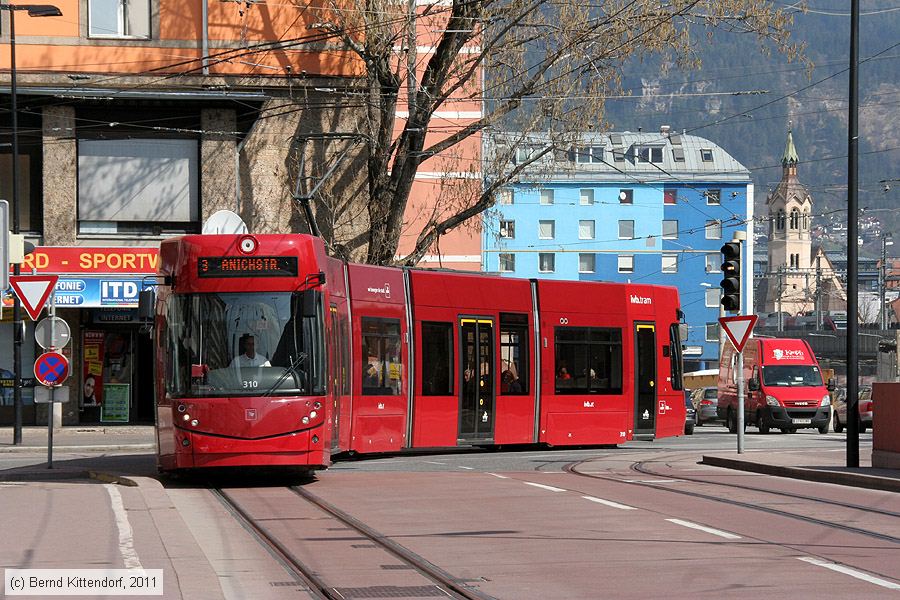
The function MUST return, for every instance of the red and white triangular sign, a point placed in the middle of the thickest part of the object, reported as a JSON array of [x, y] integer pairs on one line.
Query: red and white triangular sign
[[33, 291], [738, 329]]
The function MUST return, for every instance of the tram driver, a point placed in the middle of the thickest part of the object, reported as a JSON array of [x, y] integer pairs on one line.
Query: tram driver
[[248, 356]]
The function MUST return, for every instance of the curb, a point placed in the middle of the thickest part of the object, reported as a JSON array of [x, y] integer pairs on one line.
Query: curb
[[852, 479], [97, 448]]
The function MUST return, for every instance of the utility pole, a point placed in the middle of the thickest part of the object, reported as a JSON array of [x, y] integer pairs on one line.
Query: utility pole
[[882, 280], [780, 291], [818, 292], [852, 247]]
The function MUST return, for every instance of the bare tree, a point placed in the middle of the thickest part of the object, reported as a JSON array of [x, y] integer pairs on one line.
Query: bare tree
[[547, 66]]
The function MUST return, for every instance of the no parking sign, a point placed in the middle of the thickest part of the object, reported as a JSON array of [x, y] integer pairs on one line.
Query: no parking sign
[[51, 369]]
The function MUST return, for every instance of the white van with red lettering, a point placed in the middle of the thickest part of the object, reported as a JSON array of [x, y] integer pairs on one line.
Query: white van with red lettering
[[783, 386]]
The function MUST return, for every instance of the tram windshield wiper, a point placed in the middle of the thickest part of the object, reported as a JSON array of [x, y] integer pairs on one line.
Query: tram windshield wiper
[[290, 370]]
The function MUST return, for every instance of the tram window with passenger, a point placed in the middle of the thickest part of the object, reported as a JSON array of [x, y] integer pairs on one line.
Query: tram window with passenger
[[382, 363], [514, 354], [588, 360], [233, 344]]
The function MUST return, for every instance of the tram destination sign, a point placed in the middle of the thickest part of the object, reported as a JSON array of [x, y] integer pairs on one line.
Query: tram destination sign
[[247, 266]]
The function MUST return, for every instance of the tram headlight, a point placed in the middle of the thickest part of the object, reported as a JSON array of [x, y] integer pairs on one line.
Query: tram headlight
[[186, 417], [182, 408], [247, 245], [317, 405], [195, 422], [313, 414], [305, 420]]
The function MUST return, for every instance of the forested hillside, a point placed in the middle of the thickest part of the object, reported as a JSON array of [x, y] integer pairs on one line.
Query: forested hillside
[[751, 125]]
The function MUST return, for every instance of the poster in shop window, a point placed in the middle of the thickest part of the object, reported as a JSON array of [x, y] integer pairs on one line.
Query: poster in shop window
[[116, 402], [93, 345]]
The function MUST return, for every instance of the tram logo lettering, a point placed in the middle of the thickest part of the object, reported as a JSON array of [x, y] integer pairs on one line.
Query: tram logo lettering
[[589, 404], [641, 299], [386, 290]]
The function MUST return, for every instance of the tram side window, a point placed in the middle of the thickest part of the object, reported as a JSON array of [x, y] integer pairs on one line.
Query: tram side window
[[677, 370], [437, 359], [514, 375], [588, 360], [382, 363]]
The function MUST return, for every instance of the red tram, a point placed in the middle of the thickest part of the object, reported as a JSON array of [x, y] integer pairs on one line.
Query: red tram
[[269, 352]]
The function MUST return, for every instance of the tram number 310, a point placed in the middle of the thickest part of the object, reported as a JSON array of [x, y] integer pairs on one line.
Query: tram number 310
[[250, 383]]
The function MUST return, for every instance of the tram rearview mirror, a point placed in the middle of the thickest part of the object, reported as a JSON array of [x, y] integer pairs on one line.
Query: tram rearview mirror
[[146, 305], [309, 304]]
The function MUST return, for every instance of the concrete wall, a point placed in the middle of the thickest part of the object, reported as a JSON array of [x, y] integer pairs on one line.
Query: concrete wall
[[60, 176]]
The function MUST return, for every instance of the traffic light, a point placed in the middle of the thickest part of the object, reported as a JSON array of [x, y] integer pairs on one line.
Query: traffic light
[[731, 270]]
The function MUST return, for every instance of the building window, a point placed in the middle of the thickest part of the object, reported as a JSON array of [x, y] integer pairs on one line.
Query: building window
[[508, 229], [678, 154], [795, 219], [670, 230], [546, 230], [712, 332], [546, 196], [589, 154], [546, 262], [507, 262], [780, 221], [648, 154], [713, 263], [31, 203], [713, 296], [587, 262], [586, 197], [382, 359], [437, 359], [714, 196], [626, 196], [505, 197], [626, 263], [669, 263], [129, 186], [588, 360], [670, 196], [527, 152], [713, 230], [514, 376], [119, 18], [585, 230], [706, 155], [626, 230]]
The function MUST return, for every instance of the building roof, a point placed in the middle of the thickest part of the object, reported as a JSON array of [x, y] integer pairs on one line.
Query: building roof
[[687, 158]]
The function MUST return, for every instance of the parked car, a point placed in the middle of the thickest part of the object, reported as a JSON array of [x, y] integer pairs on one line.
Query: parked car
[[707, 401], [864, 409], [690, 416]]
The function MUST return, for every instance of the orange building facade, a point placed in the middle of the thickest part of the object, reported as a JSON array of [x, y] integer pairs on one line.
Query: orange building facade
[[138, 120]]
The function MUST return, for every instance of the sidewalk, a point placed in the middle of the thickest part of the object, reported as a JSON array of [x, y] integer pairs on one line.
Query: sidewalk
[[809, 465], [88, 438]]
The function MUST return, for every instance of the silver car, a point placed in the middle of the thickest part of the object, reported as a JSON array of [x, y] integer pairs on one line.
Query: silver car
[[706, 401]]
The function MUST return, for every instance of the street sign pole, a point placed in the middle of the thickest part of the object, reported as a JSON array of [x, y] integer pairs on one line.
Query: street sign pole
[[738, 329], [740, 402], [50, 405]]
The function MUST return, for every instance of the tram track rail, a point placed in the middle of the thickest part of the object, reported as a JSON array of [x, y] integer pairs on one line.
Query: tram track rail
[[637, 467], [318, 587]]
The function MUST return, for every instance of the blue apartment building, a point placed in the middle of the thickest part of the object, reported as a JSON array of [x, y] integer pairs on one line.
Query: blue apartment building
[[629, 207]]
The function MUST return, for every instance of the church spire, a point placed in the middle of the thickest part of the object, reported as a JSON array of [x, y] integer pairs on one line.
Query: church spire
[[790, 159], [790, 153]]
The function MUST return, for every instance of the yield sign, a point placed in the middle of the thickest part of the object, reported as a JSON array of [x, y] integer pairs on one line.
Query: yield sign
[[51, 368], [33, 291], [738, 329]]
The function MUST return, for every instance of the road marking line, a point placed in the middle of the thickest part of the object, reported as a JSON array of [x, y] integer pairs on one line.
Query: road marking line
[[468, 468], [498, 476], [544, 487], [851, 572], [433, 462], [126, 535], [717, 532], [609, 503], [653, 480]]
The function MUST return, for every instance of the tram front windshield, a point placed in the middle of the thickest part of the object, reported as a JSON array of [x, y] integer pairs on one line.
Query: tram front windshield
[[244, 344]]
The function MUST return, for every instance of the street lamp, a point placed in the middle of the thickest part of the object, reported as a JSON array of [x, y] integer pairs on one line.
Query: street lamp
[[33, 10]]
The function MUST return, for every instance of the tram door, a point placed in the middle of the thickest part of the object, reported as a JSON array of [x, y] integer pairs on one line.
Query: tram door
[[476, 395], [645, 379]]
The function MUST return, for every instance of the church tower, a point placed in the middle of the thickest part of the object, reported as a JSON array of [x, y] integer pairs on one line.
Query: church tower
[[792, 281]]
